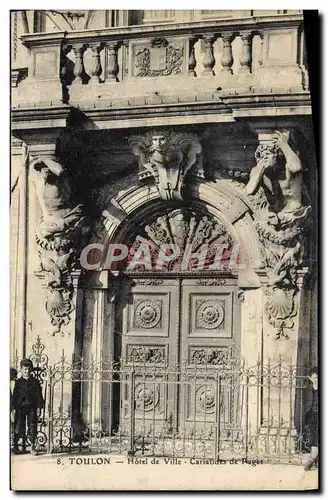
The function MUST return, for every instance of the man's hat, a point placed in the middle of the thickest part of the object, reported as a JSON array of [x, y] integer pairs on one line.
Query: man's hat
[[26, 362]]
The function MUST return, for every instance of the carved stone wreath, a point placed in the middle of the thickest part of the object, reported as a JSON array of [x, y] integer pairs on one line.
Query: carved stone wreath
[[210, 315], [147, 314], [205, 398], [147, 397]]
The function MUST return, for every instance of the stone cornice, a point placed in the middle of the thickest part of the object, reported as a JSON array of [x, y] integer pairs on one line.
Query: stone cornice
[[222, 108], [249, 105], [164, 29]]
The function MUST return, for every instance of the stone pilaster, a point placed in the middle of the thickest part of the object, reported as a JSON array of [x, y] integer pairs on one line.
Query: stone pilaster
[[98, 350], [19, 251], [43, 84]]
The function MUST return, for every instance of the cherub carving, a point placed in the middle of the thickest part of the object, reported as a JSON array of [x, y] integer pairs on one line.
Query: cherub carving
[[167, 161]]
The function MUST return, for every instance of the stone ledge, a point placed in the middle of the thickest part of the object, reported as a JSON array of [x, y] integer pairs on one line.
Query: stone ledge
[[126, 113]]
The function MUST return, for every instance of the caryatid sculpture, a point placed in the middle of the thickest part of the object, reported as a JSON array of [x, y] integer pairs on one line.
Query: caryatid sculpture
[[281, 224], [59, 215], [59, 234], [167, 159], [282, 181]]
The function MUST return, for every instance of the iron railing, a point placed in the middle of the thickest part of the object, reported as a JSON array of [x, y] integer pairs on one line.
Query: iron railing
[[208, 411]]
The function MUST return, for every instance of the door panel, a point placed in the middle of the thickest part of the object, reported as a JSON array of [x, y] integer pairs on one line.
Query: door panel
[[212, 321], [191, 323], [150, 321], [210, 329]]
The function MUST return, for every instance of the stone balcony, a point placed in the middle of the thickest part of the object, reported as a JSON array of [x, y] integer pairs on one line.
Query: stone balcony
[[229, 67]]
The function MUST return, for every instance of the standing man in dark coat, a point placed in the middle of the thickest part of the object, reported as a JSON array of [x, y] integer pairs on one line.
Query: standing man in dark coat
[[312, 420], [27, 403]]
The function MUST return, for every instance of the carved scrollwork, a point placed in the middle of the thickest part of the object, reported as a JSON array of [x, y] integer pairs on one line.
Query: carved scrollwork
[[211, 281], [172, 56], [145, 354], [181, 228], [149, 281]]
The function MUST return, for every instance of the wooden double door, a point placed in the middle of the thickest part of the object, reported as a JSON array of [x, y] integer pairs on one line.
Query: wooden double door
[[176, 334]]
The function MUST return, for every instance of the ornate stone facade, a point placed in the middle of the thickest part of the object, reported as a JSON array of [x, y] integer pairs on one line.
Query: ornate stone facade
[[148, 138]]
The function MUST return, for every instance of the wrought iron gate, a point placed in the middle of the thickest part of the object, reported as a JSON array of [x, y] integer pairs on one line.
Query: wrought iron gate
[[216, 412]]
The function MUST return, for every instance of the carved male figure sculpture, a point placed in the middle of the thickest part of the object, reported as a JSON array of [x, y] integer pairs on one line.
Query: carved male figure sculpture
[[59, 233], [283, 183], [55, 197]]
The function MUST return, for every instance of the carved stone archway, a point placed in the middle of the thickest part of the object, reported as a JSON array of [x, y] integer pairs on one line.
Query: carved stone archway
[[218, 198], [141, 206]]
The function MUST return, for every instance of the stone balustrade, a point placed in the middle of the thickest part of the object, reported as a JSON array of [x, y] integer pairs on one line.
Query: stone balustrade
[[229, 55]]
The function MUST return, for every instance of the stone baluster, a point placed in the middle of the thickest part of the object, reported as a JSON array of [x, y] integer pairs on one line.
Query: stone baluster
[[66, 70], [79, 71], [112, 63], [227, 57], [209, 59], [246, 52], [96, 67], [192, 59]]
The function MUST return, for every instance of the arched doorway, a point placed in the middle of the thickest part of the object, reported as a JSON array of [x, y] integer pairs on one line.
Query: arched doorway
[[174, 332], [177, 321]]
